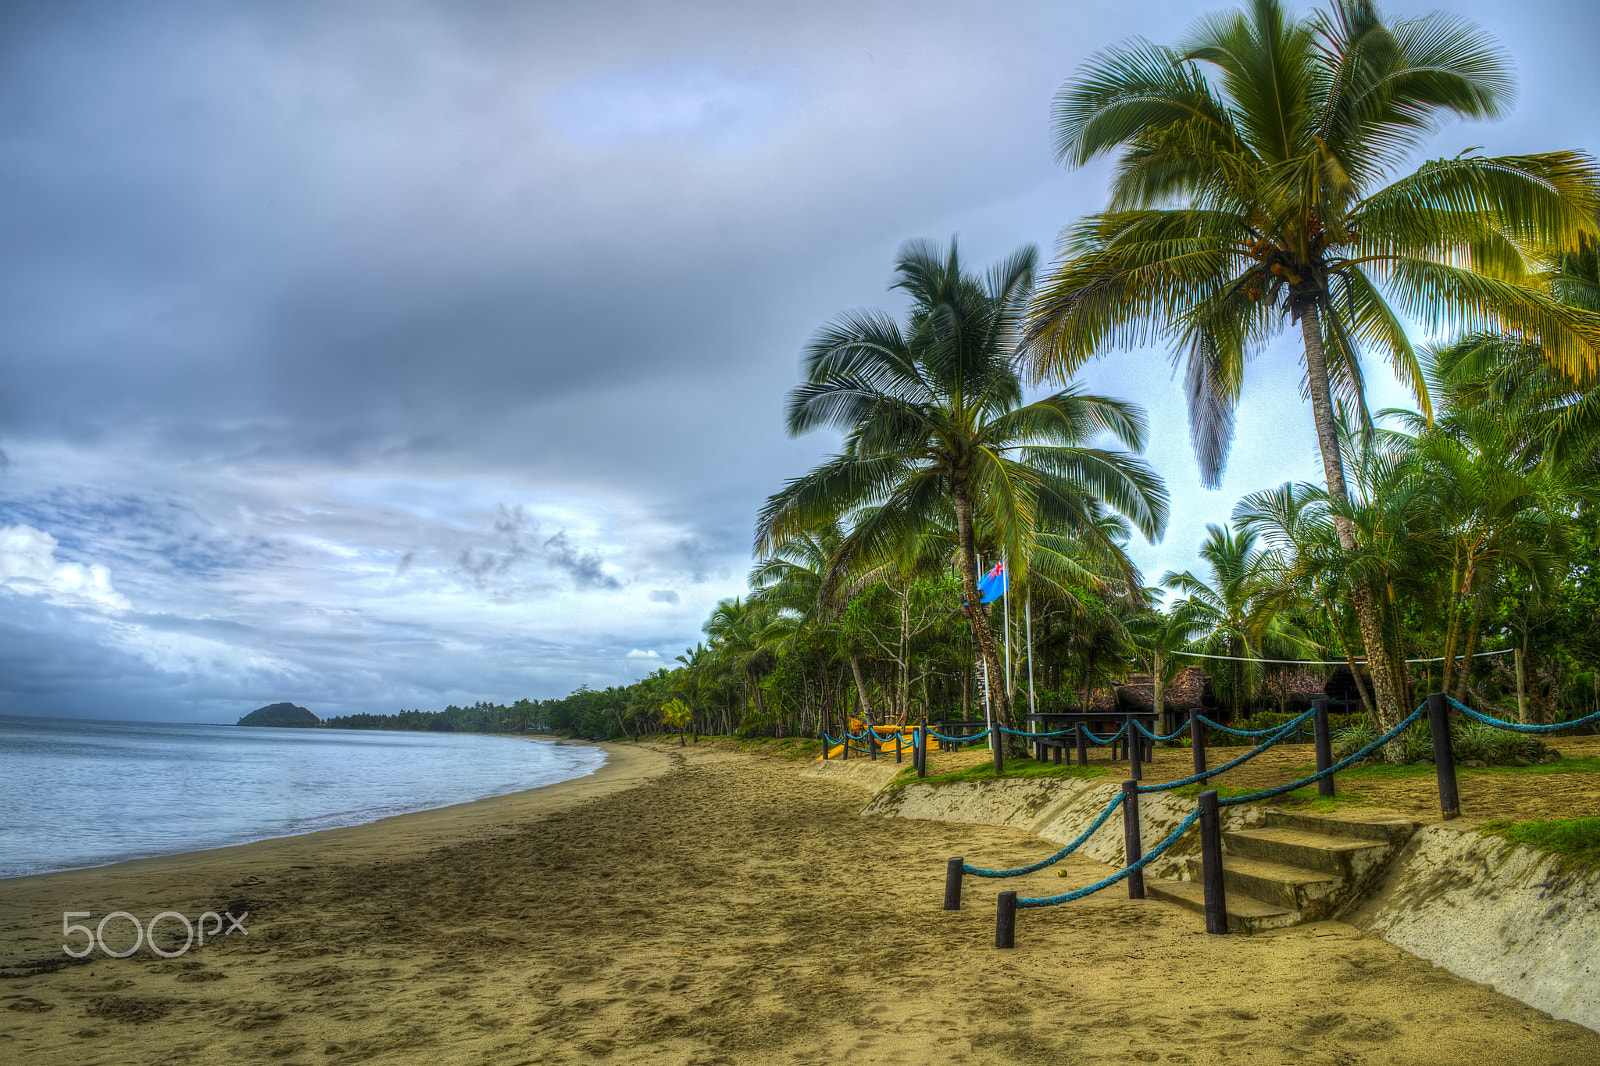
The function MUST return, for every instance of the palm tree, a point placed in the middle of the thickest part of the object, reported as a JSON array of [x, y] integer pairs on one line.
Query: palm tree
[[1248, 195], [745, 640], [1154, 638], [937, 435], [1235, 612]]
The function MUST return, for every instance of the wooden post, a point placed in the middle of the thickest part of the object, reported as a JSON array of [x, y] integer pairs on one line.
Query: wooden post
[[953, 871], [897, 738], [1005, 920], [1132, 846], [919, 754], [1211, 863], [872, 743], [1319, 718], [845, 754], [1058, 752], [999, 751], [1444, 763], [1083, 745], [1133, 745], [1197, 741], [825, 747]]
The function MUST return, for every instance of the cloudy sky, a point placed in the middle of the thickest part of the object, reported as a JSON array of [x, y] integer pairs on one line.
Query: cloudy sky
[[392, 354]]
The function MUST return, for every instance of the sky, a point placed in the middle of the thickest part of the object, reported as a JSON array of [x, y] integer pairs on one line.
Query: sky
[[372, 355]]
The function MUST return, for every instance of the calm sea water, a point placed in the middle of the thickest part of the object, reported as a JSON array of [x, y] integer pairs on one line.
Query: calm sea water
[[76, 793]]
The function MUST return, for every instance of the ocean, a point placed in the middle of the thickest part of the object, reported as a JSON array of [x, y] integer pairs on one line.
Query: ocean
[[76, 793]]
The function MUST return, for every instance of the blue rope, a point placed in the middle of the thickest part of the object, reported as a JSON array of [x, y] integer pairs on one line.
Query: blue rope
[[1252, 732], [1098, 740], [1224, 768], [1058, 856], [1343, 763], [1025, 733], [1180, 731], [1068, 897], [959, 740], [1518, 727]]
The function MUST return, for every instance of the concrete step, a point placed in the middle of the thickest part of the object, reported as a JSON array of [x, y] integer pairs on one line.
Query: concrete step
[[1293, 887], [1245, 913], [1385, 830], [1339, 855]]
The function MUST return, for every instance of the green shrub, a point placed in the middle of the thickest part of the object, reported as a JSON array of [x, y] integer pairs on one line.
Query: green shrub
[[1468, 740]]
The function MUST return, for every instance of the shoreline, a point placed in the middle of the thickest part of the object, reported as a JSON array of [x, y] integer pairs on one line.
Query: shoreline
[[699, 907], [364, 819], [165, 881]]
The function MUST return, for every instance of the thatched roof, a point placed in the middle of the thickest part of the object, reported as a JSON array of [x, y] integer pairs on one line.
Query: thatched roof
[[1103, 701], [1298, 685], [1186, 692]]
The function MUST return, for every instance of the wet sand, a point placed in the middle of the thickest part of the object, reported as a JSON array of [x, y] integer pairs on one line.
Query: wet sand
[[724, 909]]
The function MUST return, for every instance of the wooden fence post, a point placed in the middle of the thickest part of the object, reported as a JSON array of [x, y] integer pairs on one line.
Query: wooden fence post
[[1005, 920], [1319, 719], [1444, 763], [1197, 741], [1133, 745], [1083, 744], [1132, 845], [953, 871], [1211, 863]]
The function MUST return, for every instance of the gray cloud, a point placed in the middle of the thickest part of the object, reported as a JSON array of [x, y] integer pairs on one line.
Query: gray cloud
[[410, 347]]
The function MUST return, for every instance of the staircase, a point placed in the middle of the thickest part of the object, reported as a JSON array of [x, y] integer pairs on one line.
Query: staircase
[[1294, 868]]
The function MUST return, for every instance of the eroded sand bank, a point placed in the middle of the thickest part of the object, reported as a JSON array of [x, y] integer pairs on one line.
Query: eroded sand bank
[[730, 909]]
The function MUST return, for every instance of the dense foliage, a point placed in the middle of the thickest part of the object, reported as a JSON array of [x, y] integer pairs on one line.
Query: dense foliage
[[1262, 181]]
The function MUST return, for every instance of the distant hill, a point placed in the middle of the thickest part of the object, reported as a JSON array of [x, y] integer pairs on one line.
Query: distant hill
[[282, 715]]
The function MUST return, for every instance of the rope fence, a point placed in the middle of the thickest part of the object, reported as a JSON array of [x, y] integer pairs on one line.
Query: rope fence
[[1437, 708], [1520, 727]]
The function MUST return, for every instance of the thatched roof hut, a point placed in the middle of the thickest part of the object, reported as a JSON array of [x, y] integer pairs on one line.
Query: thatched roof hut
[[1186, 692], [1102, 701], [1295, 687]]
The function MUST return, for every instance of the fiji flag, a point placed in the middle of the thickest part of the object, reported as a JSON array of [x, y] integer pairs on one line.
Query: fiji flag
[[993, 585]]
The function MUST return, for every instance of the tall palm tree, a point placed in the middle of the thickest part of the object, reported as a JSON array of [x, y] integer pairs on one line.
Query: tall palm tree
[[1228, 613], [1154, 638], [1512, 376], [745, 640], [1249, 195], [937, 435]]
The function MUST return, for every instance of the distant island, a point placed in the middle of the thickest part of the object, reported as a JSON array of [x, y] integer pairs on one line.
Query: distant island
[[282, 715]]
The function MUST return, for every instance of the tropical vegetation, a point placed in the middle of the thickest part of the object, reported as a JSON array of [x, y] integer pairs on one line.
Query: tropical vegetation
[[1264, 180]]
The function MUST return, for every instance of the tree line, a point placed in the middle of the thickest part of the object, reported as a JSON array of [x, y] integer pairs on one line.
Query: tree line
[[1260, 189]]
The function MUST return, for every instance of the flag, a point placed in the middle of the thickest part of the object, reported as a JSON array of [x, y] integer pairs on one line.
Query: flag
[[993, 585]]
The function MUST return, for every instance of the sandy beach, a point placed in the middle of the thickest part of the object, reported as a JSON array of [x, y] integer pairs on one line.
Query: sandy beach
[[699, 906]]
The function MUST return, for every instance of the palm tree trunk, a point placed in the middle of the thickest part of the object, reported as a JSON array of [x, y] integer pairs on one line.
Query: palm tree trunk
[[1158, 695], [1469, 649], [967, 560], [861, 691], [1378, 658]]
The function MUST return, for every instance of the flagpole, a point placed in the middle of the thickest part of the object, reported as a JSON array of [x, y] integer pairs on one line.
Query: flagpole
[[1027, 613], [988, 709], [1005, 606]]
